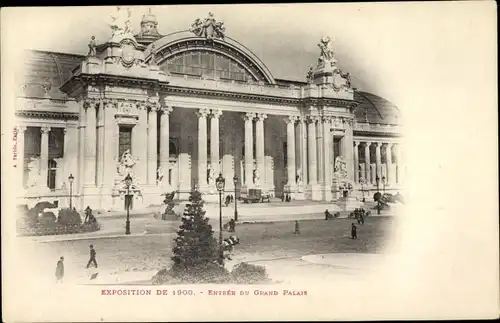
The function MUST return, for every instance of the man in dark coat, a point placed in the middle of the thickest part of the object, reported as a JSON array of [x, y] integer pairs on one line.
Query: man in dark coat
[[92, 257], [297, 227], [88, 212], [60, 270], [361, 217], [328, 215], [232, 225], [354, 233]]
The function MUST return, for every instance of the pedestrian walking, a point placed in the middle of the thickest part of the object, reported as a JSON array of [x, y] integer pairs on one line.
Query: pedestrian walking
[[92, 257], [354, 233], [297, 228], [60, 270], [232, 225]]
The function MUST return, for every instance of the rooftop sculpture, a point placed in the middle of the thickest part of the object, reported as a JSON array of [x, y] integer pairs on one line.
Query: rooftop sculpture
[[209, 28]]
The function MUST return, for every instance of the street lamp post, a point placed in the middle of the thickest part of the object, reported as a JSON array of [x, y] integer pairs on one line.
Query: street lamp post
[[235, 181], [219, 183], [71, 179], [128, 182], [377, 180]]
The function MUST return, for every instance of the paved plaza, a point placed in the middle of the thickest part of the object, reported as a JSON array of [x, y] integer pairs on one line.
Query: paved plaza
[[287, 256]]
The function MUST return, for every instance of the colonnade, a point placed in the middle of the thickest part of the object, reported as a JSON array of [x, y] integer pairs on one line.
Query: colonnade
[[366, 172], [310, 149], [69, 156]]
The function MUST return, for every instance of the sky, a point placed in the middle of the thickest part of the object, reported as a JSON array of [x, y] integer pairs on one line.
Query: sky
[[377, 43], [283, 36]]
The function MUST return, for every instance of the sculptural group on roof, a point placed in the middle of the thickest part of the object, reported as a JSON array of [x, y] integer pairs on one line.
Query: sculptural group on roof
[[208, 28]]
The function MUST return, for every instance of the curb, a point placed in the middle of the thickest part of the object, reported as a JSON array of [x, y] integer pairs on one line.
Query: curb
[[111, 236]]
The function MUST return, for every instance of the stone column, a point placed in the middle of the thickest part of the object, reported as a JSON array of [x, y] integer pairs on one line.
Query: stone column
[[303, 149], [44, 157], [20, 130], [152, 143], [311, 136], [320, 152], [90, 143], [100, 144], [202, 147], [70, 156], [214, 143], [248, 117], [140, 144], [290, 153], [367, 162], [347, 146], [378, 161], [356, 161], [111, 133], [165, 144], [80, 177], [399, 164], [388, 162], [327, 147], [259, 147]]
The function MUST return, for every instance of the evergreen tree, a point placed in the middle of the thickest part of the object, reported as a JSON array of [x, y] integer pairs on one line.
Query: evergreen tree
[[195, 248]]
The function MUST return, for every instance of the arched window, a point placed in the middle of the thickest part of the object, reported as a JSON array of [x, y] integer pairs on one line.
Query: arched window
[[208, 65], [51, 174]]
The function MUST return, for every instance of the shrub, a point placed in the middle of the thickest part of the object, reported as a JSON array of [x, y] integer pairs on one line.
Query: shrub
[[47, 219], [377, 196], [245, 273], [195, 244], [69, 217], [26, 216]]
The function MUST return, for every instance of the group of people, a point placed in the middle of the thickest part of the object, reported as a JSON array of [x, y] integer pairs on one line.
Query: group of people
[[329, 216], [60, 265], [359, 215]]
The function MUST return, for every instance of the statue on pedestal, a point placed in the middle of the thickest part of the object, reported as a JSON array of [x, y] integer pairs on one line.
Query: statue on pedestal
[[210, 175], [309, 76], [159, 176], [120, 23], [327, 55], [256, 176], [92, 47], [340, 168], [33, 172], [125, 165]]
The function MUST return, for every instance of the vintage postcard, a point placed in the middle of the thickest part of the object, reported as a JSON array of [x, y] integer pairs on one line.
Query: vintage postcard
[[250, 162]]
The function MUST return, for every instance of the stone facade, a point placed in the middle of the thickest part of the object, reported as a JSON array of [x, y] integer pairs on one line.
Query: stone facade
[[147, 108]]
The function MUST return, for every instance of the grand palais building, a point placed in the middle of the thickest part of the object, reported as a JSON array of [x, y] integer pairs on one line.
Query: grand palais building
[[174, 111]]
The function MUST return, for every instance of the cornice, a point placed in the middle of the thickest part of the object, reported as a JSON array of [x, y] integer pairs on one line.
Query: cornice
[[171, 90], [326, 102], [108, 79], [376, 134], [47, 115]]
